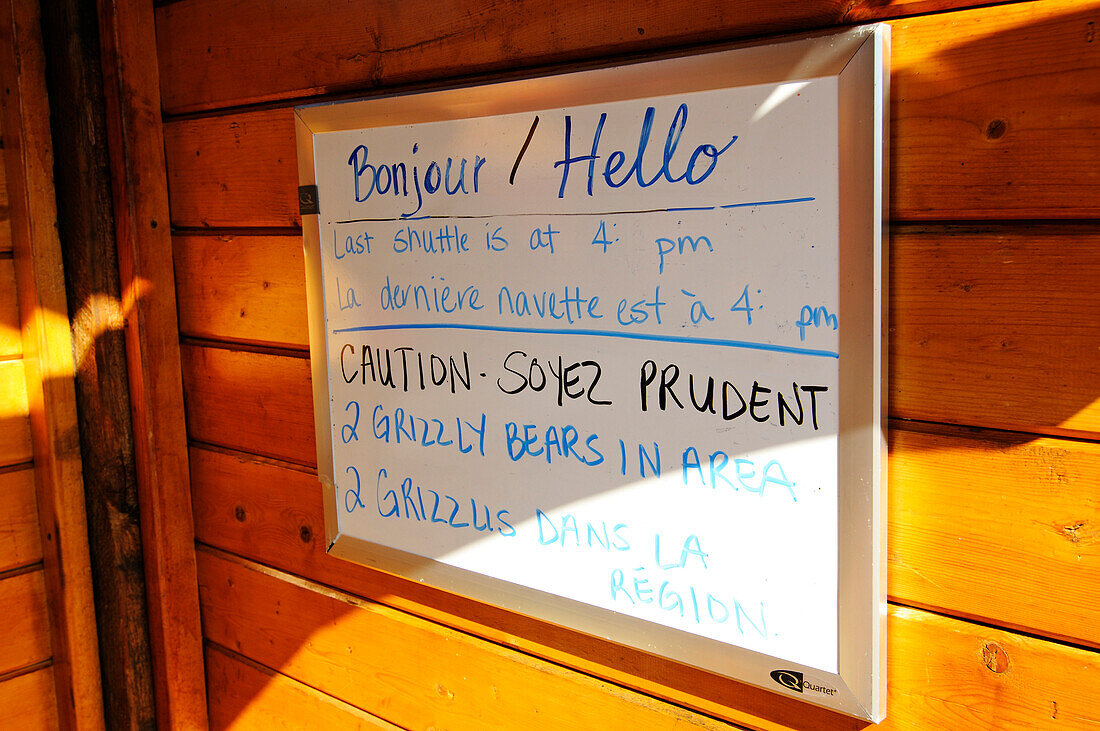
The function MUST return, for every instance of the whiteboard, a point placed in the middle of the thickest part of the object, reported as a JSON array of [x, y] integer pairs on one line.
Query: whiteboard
[[607, 348]]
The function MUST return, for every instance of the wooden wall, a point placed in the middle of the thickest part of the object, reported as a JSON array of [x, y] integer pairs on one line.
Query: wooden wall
[[994, 510], [27, 697], [49, 661]]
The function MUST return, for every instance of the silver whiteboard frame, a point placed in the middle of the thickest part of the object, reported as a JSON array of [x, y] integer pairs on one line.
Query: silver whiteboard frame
[[859, 58]]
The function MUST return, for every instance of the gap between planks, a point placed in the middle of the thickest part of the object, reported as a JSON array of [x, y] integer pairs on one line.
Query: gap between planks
[[26, 669], [29, 568], [17, 467], [271, 672], [246, 346], [1019, 631]]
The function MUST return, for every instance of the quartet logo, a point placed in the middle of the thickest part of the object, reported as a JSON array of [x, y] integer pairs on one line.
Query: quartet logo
[[796, 681]]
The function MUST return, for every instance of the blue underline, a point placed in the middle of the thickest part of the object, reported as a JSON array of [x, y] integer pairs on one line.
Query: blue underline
[[743, 205], [751, 204], [767, 203], [742, 344]]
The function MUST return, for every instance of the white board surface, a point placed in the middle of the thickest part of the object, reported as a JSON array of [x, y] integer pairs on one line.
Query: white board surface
[[592, 352]]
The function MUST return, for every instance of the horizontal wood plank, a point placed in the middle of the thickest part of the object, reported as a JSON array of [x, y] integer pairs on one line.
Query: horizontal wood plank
[[993, 327], [20, 537], [990, 118], [15, 430], [28, 701], [973, 310], [993, 113], [943, 672], [368, 46], [242, 288], [234, 170], [997, 527], [411, 672], [11, 339], [268, 409], [246, 695], [979, 526], [949, 674], [26, 624]]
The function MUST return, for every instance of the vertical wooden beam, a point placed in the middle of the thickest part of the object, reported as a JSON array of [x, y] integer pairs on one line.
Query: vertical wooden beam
[[132, 90], [48, 361], [86, 227]]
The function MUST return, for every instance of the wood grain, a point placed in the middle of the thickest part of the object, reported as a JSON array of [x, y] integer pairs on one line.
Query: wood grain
[[233, 171], [368, 46], [15, 429], [242, 288], [993, 327], [11, 340], [48, 353], [991, 117], [252, 402], [997, 527], [944, 672], [27, 622], [246, 695], [409, 671], [132, 95], [86, 228], [20, 542], [993, 113], [276, 56], [28, 702]]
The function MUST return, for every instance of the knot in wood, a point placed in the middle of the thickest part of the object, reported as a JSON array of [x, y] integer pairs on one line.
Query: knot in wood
[[995, 657]]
